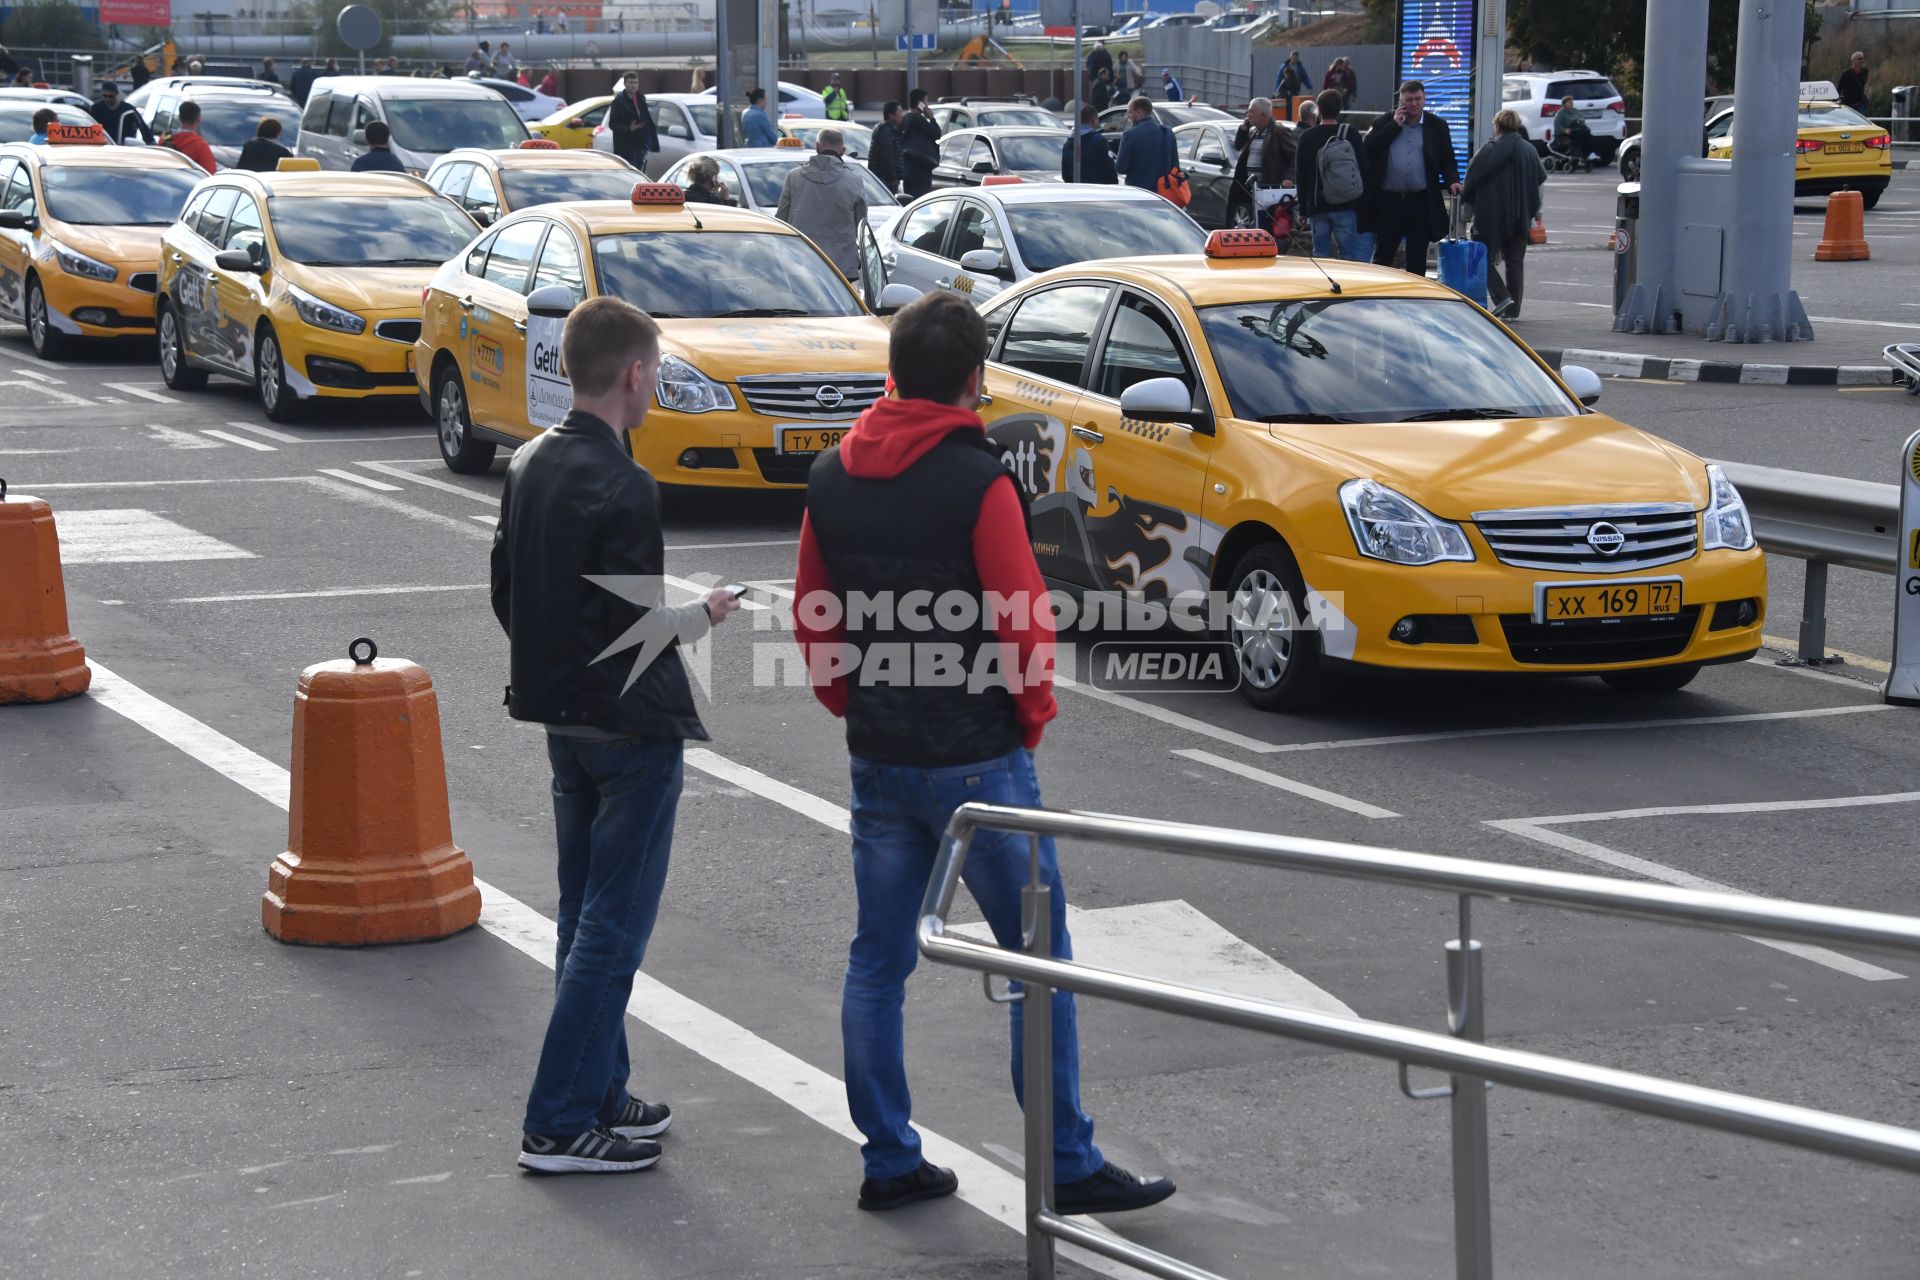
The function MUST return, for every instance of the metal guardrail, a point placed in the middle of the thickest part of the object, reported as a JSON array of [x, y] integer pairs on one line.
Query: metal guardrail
[[1473, 1066]]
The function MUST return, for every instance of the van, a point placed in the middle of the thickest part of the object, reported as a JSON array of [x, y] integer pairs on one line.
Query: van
[[428, 118]]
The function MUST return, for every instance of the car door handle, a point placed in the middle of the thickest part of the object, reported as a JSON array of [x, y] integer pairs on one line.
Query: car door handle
[[178, 256], [466, 303], [1087, 433], [519, 326], [944, 284], [985, 400]]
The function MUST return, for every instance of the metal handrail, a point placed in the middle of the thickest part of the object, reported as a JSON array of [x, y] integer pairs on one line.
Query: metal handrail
[[1471, 1065]]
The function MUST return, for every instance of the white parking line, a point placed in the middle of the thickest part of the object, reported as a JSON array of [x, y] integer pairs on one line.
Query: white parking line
[[142, 393], [42, 388], [445, 486], [28, 373], [266, 433], [729, 546], [815, 1094], [1594, 726], [334, 593], [804, 803], [242, 441], [174, 438], [1279, 783], [354, 477], [490, 521], [1174, 718]]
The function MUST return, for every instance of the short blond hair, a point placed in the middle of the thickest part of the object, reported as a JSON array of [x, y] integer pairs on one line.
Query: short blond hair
[[1507, 120], [603, 338]]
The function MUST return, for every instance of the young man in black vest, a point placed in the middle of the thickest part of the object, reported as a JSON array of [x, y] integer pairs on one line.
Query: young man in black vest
[[915, 502]]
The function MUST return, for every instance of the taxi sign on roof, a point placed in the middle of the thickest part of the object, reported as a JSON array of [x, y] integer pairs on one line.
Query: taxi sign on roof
[[540, 144], [657, 193], [790, 142], [999, 179], [1819, 91], [298, 164], [76, 135], [1249, 243]]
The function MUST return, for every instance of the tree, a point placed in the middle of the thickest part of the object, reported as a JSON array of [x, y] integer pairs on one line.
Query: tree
[[1604, 34], [49, 24]]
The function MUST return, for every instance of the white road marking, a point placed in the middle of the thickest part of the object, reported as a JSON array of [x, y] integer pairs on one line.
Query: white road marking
[[21, 453], [804, 803], [266, 433], [490, 521], [174, 438], [28, 373], [110, 400], [1595, 726], [354, 477], [151, 484], [353, 493], [815, 1094], [445, 486], [1813, 673], [140, 392], [331, 594], [60, 397], [1163, 715], [1186, 946], [728, 546], [128, 535], [1279, 783], [242, 441]]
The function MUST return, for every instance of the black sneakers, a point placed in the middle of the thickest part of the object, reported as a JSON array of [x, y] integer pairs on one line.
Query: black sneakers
[[641, 1119], [595, 1151], [928, 1182], [1110, 1189]]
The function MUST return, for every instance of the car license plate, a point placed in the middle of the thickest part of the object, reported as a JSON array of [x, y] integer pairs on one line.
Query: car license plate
[[1593, 113], [1844, 148], [809, 439], [1608, 601]]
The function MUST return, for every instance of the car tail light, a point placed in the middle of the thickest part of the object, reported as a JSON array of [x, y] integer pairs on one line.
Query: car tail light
[[1549, 108], [1618, 104], [1804, 145], [1880, 142], [423, 294]]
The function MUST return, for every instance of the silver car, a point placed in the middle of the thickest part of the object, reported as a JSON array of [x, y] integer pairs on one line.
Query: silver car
[[976, 242], [428, 118], [686, 123], [755, 176]]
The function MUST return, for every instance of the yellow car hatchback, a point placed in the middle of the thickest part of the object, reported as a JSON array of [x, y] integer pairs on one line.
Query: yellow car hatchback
[[491, 184]]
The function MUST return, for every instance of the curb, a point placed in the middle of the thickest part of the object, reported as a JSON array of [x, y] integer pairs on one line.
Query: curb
[[1628, 364]]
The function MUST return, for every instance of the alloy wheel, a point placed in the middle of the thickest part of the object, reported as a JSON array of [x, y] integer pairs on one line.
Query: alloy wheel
[[269, 372], [1262, 619], [452, 415]]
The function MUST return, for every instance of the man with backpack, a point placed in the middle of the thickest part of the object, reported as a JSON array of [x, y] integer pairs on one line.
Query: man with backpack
[[1333, 185], [1148, 151]]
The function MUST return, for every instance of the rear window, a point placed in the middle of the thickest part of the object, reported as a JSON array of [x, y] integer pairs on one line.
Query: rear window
[[1581, 90], [527, 187], [229, 122], [1833, 117]]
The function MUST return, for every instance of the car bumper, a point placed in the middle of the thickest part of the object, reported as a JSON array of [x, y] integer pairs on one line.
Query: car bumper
[[342, 366], [736, 450], [1362, 600], [97, 308], [1818, 182]]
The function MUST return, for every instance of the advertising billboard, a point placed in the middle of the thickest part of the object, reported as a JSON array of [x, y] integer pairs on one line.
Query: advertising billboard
[[1435, 47]]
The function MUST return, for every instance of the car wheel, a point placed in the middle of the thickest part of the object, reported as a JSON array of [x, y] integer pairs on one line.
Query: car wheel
[[48, 342], [1868, 199], [1278, 651], [458, 449], [270, 376], [1240, 215], [174, 369], [1630, 166], [1653, 679]]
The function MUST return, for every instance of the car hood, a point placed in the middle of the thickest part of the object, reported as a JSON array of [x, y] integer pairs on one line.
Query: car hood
[[731, 349], [1454, 469], [135, 247], [363, 288]]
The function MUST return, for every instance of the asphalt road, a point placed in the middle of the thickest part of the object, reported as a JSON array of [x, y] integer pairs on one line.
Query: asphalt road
[[181, 1096]]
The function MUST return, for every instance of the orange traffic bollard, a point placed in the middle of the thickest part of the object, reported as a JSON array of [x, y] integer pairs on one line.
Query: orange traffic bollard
[[370, 855], [40, 661], [1845, 237], [1537, 233]]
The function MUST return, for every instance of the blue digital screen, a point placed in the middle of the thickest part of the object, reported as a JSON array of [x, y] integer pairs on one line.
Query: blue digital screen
[[1436, 48]]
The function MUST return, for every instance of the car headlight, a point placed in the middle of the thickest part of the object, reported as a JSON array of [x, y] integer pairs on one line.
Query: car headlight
[[684, 389], [1728, 526], [324, 315], [75, 263], [1392, 527]]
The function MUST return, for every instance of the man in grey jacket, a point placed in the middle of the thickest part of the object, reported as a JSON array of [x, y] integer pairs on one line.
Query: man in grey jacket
[[823, 198]]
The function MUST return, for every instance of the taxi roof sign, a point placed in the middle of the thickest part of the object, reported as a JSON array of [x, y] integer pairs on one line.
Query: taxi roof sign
[[1245, 243], [540, 144], [75, 135], [791, 142], [658, 193], [297, 164], [999, 179]]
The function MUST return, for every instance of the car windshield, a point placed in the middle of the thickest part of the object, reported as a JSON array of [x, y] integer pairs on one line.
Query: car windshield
[[1031, 153], [436, 125], [229, 122], [1055, 235], [857, 141], [768, 176], [1833, 118], [680, 276], [90, 197], [527, 187], [16, 119], [368, 231], [706, 118], [1374, 360], [1021, 117]]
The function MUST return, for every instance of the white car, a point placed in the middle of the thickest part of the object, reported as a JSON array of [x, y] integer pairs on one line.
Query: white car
[[976, 241], [687, 123], [1537, 95], [795, 100], [529, 104], [755, 175]]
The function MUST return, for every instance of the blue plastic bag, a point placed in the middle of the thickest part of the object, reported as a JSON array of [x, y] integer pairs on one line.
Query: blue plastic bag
[[1463, 268]]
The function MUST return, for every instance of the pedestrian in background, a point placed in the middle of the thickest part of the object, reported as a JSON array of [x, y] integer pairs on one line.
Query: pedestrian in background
[[703, 183], [504, 64], [1103, 90], [1410, 151], [1340, 75], [379, 157], [575, 506], [919, 145], [141, 73], [119, 119], [186, 138], [883, 151], [838, 107], [43, 120], [477, 63], [914, 499], [755, 122], [1264, 166], [1172, 86], [634, 135], [550, 85], [1126, 76], [560, 23], [1853, 84], [264, 151], [269, 72], [825, 200], [1503, 185], [1289, 82], [1332, 173], [300, 83], [1098, 60], [1148, 151], [1096, 162]]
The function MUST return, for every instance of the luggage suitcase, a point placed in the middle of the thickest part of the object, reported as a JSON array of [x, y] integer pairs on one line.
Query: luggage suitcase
[[1463, 262]]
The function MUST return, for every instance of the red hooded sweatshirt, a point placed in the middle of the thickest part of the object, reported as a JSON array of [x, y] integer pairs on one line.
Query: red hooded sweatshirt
[[885, 441]]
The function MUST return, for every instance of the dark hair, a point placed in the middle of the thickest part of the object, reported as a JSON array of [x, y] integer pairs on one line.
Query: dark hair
[[1331, 103], [1089, 115], [756, 96], [915, 98], [269, 127], [1142, 103], [1413, 86], [938, 341], [105, 89], [189, 112], [44, 117], [892, 106], [378, 134]]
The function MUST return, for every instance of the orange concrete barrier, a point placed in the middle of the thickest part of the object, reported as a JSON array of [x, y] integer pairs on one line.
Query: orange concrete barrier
[[1845, 237], [370, 854], [1537, 233], [40, 661]]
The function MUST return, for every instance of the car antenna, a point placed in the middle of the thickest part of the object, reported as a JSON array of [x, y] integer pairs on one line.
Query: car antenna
[[1332, 284], [697, 224]]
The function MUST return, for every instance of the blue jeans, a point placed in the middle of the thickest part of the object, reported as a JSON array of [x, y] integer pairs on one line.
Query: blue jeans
[[613, 809], [899, 813], [1344, 225]]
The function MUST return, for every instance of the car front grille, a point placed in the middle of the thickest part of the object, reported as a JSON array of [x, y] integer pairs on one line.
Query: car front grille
[[813, 395], [144, 281], [1567, 644], [783, 468], [1571, 539], [407, 331]]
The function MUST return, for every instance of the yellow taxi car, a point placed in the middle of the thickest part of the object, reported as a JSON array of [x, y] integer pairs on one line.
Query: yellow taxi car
[[490, 184], [306, 284], [1836, 149], [572, 126], [767, 354], [1364, 468], [80, 231]]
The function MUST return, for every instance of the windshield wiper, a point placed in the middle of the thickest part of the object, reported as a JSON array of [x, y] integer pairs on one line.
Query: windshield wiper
[[1449, 415], [1307, 418], [393, 262], [759, 312]]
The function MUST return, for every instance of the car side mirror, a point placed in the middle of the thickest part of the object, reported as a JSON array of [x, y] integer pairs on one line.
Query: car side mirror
[[983, 261], [241, 260], [983, 166], [1164, 400], [576, 123], [904, 198], [359, 138], [894, 297], [551, 301], [1582, 381], [17, 220]]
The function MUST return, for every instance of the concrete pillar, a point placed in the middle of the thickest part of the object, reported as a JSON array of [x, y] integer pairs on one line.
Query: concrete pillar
[[1489, 70], [1671, 107], [1758, 303]]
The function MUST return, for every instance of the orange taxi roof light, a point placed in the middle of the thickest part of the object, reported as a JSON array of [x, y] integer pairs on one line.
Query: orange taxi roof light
[[999, 179], [792, 115], [540, 144], [298, 164], [76, 135], [658, 193], [1253, 243], [791, 142]]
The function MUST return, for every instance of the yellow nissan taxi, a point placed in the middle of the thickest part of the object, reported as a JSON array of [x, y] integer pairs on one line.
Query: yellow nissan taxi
[[1359, 466], [80, 227], [491, 184], [767, 354], [572, 126], [306, 284]]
